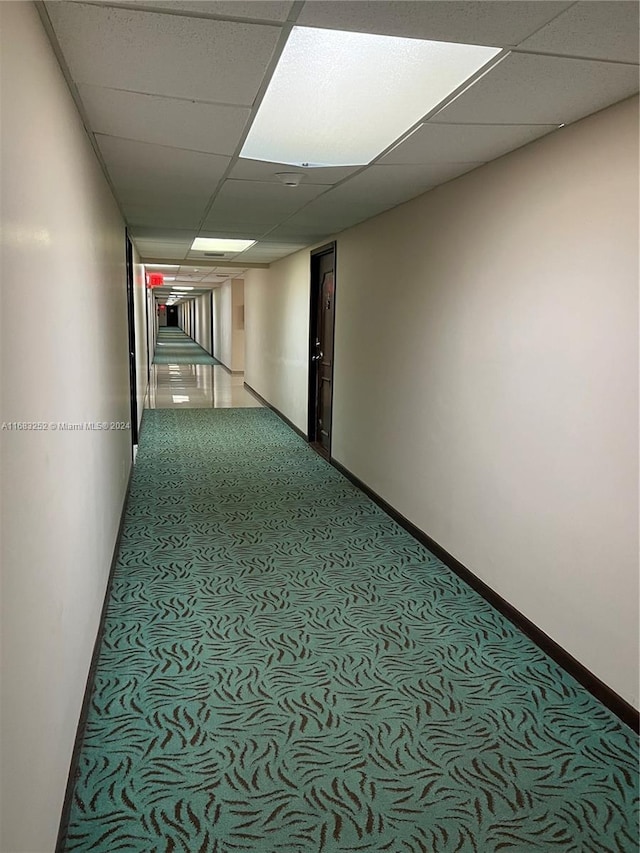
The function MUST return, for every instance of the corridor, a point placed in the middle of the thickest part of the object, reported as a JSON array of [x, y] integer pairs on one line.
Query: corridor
[[319, 469], [185, 375], [278, 676]]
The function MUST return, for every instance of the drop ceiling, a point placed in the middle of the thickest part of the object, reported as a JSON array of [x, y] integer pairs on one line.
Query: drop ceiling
[[201, 279], [168, 92]]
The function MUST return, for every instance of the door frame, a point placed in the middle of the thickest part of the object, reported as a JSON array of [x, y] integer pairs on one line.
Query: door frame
[[131, 323], [314, 290]]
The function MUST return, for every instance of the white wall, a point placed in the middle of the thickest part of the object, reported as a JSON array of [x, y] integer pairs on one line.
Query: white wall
[[277, 335], [185, 316], [140, 309], [237, 325], [64, 358], [226, 331], [228, 320], [203, 322], [217, 323], [153, 323], [486, 376]]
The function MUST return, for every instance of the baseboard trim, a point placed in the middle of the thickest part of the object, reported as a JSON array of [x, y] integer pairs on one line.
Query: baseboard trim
[[608, 697], [228, 369], [86, 699], [276, 411]]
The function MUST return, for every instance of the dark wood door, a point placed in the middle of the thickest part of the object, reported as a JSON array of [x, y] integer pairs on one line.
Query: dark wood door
[[323, 291]]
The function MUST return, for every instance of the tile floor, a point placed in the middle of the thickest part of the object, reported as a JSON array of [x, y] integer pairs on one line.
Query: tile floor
[[197, 386]]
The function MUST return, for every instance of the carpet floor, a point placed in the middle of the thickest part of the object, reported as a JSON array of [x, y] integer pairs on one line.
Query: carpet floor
[[175, 347], [285, 670]]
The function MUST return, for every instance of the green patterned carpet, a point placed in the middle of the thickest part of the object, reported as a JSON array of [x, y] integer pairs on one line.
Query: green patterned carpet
[[175, 347], [285, 670]]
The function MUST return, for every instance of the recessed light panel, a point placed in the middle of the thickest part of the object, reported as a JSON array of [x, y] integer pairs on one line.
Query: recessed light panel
[[220, 244], [339, 98]]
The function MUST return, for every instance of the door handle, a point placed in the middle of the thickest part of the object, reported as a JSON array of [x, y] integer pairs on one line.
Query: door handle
[[317, 357]]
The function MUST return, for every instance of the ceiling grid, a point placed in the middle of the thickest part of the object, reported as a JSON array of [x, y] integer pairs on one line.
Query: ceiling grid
[[169, 91]]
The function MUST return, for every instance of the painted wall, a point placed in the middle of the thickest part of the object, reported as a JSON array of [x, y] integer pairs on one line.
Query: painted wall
[[277, 334], [140, 313], [237, 326], [154, 322], [161, 317], [185, 311], [203, 321], [226, 328], [228, 322], [486, 378], [63, 281], [217, 323]]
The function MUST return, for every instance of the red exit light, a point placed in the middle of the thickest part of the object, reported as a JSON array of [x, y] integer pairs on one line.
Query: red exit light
[[155, 279]]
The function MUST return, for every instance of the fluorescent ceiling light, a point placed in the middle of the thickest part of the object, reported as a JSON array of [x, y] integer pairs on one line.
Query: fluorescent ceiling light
[[220, 244], [340, 99], [179, 287], [162, 266]]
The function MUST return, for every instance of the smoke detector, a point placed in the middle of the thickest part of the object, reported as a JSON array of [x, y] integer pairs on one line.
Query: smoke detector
[[290, 179]]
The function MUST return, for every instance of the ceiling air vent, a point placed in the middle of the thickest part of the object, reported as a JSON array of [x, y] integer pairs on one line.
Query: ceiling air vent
[[214, 254]]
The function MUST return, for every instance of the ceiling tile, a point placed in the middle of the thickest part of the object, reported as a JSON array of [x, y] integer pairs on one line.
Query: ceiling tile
[[154, 174], [165, 121], [443, 143], [216, 278], [490, 22], [275, 255], [148, 233], [290, 233], [161, 253], [162, 54], [263, 10], [601, 30], [261, 170], [527, 89], [152, 246], [221, 257], [221, 273], [235, 230], [162, 214], [258, 203], [333, 215], [378, 188], [159, 215], [198, 272], [273, 246]]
